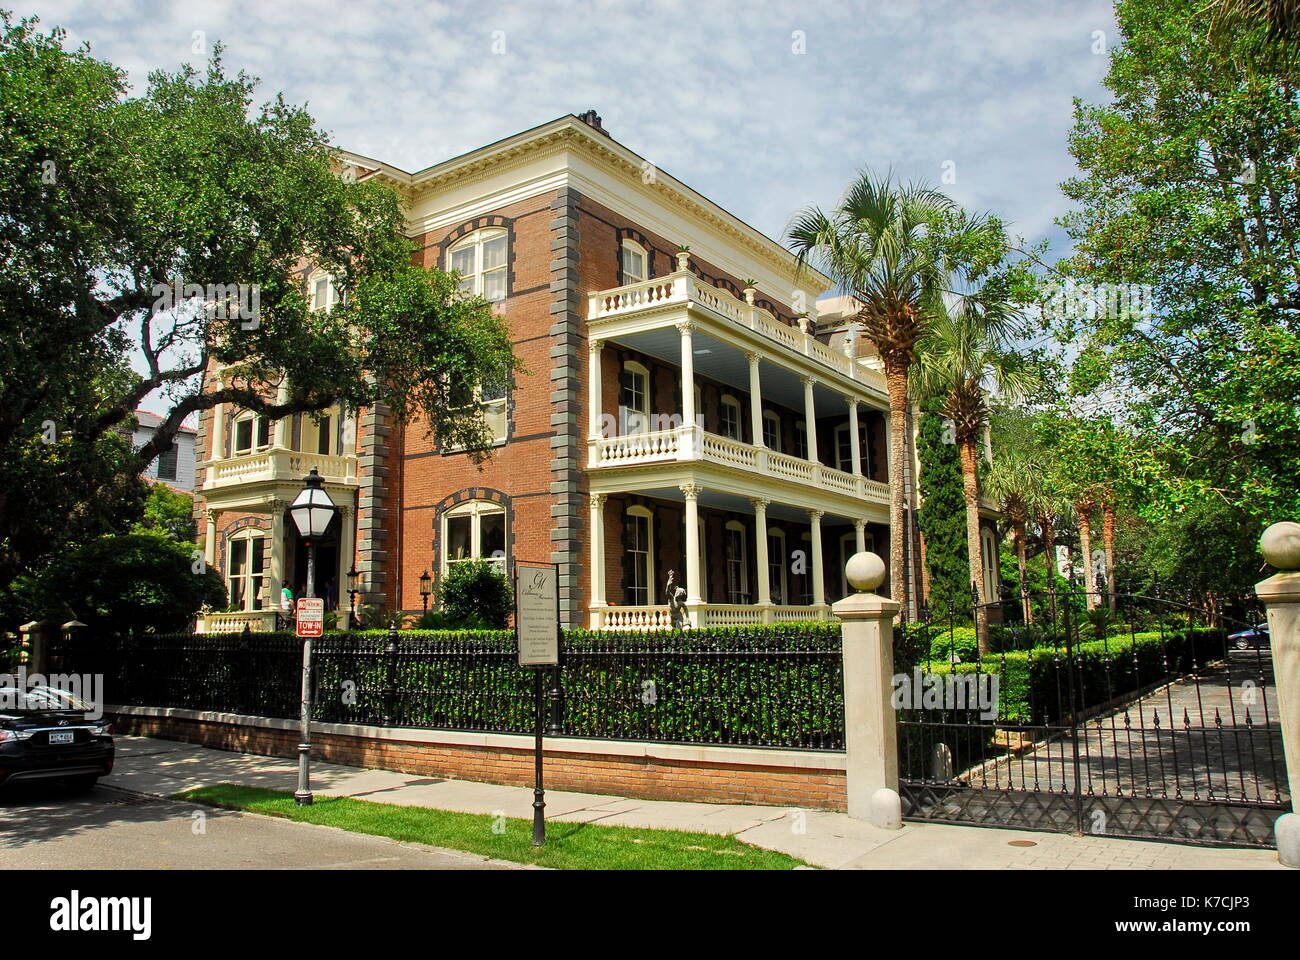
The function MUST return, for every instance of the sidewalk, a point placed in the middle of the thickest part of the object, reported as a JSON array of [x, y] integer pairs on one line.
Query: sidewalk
[[164, 767]]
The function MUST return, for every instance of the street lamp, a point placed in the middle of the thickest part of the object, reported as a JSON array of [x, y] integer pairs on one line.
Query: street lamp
[[425, 590], [312, 513], [353, 575]]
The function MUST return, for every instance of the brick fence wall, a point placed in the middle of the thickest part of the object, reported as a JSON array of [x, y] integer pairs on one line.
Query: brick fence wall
[[652, 771]]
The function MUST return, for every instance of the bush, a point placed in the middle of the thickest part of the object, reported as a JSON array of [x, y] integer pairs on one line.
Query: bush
[[474, 594]]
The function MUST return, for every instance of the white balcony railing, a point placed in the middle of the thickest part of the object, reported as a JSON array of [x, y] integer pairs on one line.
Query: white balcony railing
[[692, 444], [278, 464], [647, 619], [257, 621], [686, 288]]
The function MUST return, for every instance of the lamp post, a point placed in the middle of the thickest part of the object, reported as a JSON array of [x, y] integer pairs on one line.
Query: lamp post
[[353, 575], [312, 513], [425, 590]]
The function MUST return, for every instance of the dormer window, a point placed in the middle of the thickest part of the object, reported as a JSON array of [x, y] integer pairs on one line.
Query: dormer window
[[634, 264], [481, 261]]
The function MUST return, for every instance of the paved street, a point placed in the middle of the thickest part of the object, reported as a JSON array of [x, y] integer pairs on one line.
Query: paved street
[[42, 827]]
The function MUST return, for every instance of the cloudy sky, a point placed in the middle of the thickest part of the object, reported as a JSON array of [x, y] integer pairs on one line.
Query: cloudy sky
[[764, 106]]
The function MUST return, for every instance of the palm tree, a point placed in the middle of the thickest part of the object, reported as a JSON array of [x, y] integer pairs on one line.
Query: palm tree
[[967, 354], [1084, 502], [1015, 481], [877, 246]]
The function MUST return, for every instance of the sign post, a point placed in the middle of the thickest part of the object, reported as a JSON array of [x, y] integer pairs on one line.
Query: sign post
[[537, 632]]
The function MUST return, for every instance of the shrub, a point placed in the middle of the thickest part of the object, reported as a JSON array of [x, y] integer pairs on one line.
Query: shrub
[[475, 595]]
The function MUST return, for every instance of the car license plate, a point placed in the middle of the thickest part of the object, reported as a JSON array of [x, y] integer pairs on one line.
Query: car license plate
[[61, 736]]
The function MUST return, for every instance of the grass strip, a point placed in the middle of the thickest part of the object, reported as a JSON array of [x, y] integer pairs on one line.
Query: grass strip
[[569, 846]]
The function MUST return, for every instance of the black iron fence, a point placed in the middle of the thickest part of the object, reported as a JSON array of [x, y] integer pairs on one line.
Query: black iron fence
[[1145, 721], [764, 687]]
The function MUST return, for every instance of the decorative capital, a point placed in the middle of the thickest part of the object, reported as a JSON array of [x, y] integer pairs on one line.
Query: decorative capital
[[860, 524], [598, 500], [754, 357], [278, 507], [852, 402], [685, 327], [691, 491], [809, 382], [595, 346], [816, 515], [210, 514], [760, 503]]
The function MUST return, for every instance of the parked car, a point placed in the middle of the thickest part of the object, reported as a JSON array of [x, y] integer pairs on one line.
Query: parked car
[[44, 735], [1256, 636]]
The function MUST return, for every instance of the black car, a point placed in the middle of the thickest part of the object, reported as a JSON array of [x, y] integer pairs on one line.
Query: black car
[[1256, 636], [44, 735]]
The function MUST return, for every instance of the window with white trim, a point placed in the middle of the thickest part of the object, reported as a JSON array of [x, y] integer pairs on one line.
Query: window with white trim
[[844, 449], [640, 550], [776, 564], [989, 559], [323, 291], [481, 259], [634, 397], [730, 417], [801, 440], [246, 558], [771, 430], [474, 530], [805, 589], [737, 562], [250, 432], [634, 263]]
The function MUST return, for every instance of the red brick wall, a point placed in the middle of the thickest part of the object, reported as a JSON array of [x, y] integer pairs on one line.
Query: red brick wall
[[641, 777]]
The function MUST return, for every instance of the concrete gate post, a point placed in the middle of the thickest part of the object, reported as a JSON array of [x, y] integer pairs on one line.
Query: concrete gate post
[[1280, 594], [870, 728]]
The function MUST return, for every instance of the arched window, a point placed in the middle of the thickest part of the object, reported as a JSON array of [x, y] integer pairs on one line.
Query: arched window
[[634, 397], [776, 564], [246, 557], [772, 431], [474, 530], [737, 562], [481, 261], [641, 556], [635, 263], [730, 417]]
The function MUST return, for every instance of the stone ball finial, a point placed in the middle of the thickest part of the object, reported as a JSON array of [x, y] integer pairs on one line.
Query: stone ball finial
[[865, 571], [1280, 545]]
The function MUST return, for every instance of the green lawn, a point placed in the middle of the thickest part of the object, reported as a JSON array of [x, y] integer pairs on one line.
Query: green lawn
[[569, 846]]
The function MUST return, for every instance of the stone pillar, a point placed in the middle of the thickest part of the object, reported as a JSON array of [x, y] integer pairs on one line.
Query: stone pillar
[[870, 731], [347, 555], [694, 599], [760, 555], [279, 550], [597, 560], [855, 443], [1280, 595], [688, 436], [860, 536], [818, 574], [594, 383], [755, 400], [210, 541], [810, 418]]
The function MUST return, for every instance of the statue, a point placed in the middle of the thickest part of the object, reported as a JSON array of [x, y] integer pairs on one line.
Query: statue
[[676, 602]]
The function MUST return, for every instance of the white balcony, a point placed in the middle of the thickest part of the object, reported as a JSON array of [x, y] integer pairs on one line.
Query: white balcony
[[278, 465], [649, 619], [686, 445]]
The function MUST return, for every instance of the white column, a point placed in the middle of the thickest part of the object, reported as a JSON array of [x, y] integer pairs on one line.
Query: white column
[[688, 436], [210, 543], [860, 535], [284, 425], [691, 494], [755, 400], [870, 734], [217, 433], [810, 418], [855, 443], [760, 551], [597, 541], [818, 573], [1280, 595], [594, 393], [278, 550], [347, 550]]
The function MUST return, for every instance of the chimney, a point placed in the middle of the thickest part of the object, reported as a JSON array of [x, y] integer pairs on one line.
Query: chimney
[[592, 119]]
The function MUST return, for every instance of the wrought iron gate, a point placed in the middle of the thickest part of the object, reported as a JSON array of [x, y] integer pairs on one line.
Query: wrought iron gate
[[1160, 730]]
